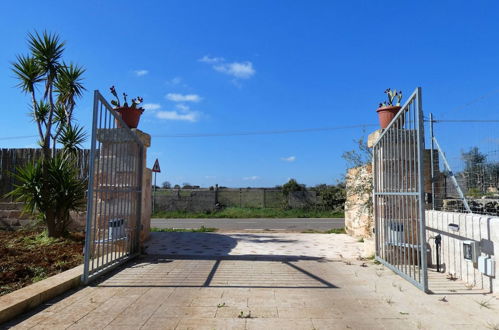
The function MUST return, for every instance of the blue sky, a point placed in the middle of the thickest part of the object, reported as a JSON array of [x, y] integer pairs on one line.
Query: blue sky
[[237, 66]]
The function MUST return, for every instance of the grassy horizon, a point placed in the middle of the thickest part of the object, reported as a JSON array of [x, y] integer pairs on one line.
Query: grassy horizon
[[238, 213]]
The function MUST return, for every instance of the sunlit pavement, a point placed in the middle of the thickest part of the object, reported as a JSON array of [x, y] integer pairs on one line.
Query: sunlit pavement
[[259, 291]]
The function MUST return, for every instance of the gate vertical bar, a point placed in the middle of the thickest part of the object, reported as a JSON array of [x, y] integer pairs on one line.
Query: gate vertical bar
[[432, 134], [422, 222], [90, 194]]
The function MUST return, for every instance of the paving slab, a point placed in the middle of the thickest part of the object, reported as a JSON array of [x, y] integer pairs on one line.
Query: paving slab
[[238, 291], [272, 245]]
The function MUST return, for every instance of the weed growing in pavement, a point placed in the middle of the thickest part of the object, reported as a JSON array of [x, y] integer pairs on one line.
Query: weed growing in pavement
[[244, 316], [484, 304], [389, 301], [221, 305], [493, 326]]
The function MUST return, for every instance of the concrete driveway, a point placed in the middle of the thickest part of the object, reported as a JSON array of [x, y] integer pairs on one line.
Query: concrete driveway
[[262, 290], [284, 224]]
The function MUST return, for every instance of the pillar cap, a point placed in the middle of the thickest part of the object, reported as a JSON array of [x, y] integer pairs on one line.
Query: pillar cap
[[373, 137], [143, 137]]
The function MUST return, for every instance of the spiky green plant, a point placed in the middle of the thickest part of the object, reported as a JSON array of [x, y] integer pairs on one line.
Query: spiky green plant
[[52, 110], [392, 94], [66, 190]]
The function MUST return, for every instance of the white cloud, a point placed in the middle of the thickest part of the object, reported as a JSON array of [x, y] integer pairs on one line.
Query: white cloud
[[211, 60], [182, 107], [174, 115], [183, 97], [210, 177], [174, 81], [140, 73], [251, 178], [240, 70], [151, 106], [289, 159]]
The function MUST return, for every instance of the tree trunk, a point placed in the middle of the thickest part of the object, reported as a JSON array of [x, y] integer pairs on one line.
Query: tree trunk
[[50, 216]]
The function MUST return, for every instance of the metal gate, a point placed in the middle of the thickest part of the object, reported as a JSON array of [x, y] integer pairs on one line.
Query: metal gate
[[114, 192], [398, 197]]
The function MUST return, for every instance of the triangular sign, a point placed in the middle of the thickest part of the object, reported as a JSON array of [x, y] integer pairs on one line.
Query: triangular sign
[[156, 167]]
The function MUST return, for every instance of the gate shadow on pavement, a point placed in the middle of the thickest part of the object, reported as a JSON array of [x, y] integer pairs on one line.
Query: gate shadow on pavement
[[180, 259], [245, 271]]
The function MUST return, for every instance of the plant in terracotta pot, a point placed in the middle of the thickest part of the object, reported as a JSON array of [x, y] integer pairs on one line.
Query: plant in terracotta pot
[[129, 113], [388, 110]]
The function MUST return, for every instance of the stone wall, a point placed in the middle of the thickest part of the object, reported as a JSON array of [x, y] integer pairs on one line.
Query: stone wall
[[479, 228], [477, 205], [358, 206]]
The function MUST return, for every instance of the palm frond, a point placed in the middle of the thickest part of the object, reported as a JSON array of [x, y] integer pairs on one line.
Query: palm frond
[[60, 115], [41, 111], [71, 138], [69, 84], [47, 49], [28, 72]]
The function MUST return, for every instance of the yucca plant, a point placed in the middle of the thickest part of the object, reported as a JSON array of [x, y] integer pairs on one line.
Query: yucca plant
[[66, 191], [51, 186]]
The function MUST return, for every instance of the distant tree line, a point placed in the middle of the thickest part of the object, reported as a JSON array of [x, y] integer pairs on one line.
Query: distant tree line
[[479, 173]]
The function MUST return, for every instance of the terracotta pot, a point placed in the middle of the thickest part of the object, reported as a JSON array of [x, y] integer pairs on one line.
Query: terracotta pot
[[130, 116], [386, 114]]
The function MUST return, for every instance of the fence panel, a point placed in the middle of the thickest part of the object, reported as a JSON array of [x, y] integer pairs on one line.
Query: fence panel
[[466, 173], [12, 159]]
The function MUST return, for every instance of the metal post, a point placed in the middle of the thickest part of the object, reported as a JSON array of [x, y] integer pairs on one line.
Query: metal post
[[154, 193], [451, 174], [90, 193], [422, 222], [432, 164]]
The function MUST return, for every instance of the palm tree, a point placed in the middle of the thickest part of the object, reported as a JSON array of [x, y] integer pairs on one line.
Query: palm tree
[[53, 112]]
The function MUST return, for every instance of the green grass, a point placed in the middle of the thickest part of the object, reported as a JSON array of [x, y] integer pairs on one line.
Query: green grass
[[238, 213], [330, 231], [203, 229], [41, 239]]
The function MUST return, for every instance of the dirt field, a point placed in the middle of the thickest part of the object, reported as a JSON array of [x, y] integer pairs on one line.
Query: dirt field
[[28, 257]]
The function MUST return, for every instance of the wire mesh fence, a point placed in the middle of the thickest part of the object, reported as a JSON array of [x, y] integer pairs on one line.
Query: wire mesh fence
[[466, 168]]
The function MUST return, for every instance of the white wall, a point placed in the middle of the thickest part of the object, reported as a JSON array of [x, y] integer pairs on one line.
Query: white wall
[[481, 228]]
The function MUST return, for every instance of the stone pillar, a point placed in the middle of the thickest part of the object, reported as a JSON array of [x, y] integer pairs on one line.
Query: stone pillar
[[146, 203], [358, 205], [117, 172]]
